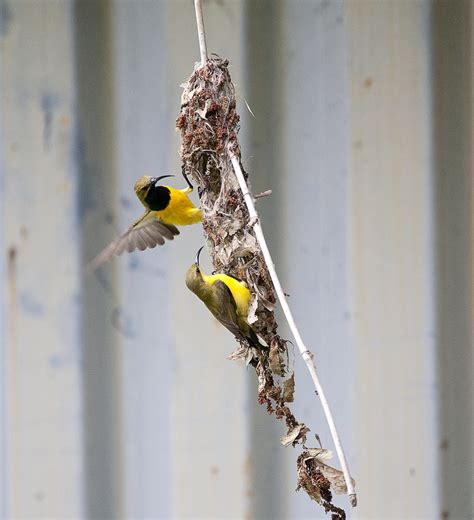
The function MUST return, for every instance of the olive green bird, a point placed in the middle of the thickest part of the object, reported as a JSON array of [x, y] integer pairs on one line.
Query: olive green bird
[[227, 298], [165, 208]]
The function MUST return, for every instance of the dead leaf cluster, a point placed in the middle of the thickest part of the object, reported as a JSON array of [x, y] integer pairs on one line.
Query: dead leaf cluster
[[319, 479]]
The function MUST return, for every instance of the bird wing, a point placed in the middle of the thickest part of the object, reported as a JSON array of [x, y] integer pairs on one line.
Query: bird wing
[[147, 232], [227, 315], [226, 311]]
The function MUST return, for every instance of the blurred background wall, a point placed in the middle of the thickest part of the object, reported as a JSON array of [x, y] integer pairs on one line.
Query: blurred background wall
[[116, 398]]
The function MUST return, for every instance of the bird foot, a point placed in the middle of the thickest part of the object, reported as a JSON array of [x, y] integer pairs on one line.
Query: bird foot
[[183, 172]]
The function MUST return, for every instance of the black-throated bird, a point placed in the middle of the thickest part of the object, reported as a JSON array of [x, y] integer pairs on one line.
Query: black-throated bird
[[165, 208], [227, 298]]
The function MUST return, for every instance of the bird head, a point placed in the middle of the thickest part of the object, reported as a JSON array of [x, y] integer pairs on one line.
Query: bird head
[[194, 276], [143, 185]]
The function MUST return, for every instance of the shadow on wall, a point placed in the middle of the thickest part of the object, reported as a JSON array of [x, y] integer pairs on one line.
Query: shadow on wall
[[451, 26], [97, 188]]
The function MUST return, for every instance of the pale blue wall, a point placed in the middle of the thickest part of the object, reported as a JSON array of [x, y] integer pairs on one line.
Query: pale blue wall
[[103, 377]]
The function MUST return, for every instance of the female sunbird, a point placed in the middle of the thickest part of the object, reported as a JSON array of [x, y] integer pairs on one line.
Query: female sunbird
[[226, 297], [165, 208]]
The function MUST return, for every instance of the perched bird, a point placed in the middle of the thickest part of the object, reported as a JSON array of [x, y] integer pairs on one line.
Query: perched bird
[[165, 208], [226, 297]]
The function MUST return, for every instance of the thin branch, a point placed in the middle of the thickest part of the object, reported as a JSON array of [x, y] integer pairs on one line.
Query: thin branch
[[201, 31], [305, 352], [265, 193]]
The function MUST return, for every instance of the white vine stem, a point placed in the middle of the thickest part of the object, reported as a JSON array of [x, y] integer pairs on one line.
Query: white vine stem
[[201, 31], [305, 352]]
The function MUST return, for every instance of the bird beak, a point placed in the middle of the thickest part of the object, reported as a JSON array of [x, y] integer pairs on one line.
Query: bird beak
[[196, 261], [155, 180]]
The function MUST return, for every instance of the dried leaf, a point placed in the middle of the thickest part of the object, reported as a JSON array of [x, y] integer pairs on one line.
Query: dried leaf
[[251, 355], [274, 359], [240, 353], [243, 247], [187, 95], [234, 226], [267, 303], [295, 434], [252, 316], [289, 389], [222, 232], [262, 380], [333, 475], [203, 112], [319, 453], [316, 484]]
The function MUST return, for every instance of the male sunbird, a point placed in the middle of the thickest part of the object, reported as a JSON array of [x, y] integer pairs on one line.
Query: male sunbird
[[227, 298], [165, 208]]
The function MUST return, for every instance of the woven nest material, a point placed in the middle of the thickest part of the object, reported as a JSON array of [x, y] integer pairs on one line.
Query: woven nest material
[[209, 124]]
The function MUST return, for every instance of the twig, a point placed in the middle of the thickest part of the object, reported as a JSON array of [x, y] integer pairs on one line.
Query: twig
[[305, 352], [265, 193], [201, 31]]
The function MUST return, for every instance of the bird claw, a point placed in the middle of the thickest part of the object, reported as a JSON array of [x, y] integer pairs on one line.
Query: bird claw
[[183, 172]]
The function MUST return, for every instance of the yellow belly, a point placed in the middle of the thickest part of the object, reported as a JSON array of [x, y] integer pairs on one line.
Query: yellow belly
[[238, 289], [180, 211]]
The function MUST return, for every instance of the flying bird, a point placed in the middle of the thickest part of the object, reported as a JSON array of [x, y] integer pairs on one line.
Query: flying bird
[[165, 208]]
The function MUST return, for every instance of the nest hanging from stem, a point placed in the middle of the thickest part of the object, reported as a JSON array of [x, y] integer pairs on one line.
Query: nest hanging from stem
[[209, 124]]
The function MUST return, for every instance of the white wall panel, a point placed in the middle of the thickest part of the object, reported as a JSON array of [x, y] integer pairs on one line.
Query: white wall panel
[[392, 258], [41, 365], [98, 203], [316, 219], [148, 349]]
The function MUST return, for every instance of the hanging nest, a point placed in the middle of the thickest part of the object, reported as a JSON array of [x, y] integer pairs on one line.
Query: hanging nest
[[209, 123]]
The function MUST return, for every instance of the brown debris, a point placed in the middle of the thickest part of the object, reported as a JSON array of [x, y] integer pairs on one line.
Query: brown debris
[[317, 479], [276, 365], [289, 389]]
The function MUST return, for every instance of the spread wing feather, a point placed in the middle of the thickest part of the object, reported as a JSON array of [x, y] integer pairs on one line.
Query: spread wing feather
[[146, 232]]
